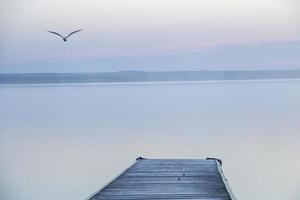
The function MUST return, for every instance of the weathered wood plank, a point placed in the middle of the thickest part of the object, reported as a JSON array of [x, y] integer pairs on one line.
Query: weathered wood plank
[[168, 179]]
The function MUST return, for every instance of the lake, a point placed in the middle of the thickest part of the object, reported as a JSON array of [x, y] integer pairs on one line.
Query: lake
[[65, 141]]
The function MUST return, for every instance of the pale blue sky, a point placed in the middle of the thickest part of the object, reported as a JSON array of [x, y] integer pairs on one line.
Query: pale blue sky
[[149, 35]]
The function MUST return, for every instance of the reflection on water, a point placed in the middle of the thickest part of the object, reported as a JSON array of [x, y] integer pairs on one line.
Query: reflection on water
[[65, 141]]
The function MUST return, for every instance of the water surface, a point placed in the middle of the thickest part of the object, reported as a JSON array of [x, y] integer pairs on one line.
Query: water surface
[[65, 141]]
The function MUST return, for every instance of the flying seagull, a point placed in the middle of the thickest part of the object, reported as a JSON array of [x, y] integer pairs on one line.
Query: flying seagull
[[65, 37]]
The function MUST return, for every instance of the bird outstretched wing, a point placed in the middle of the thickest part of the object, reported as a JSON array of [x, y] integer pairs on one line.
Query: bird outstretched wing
[[73, 32], [56, 34]]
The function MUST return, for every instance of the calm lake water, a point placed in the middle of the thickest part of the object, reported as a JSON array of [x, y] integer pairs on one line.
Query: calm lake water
[[64, 142]]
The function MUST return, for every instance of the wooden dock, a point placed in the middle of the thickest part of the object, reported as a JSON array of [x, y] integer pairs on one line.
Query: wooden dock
[[175, 179]]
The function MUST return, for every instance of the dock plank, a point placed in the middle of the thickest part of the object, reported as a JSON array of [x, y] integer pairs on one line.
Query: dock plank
[[157, 179]]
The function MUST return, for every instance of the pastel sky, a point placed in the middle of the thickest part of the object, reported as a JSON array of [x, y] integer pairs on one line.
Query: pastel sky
[[152, 35]]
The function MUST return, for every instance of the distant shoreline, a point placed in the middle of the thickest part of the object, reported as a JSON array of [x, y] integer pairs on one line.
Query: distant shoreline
[[146, 83], [146, 77]]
